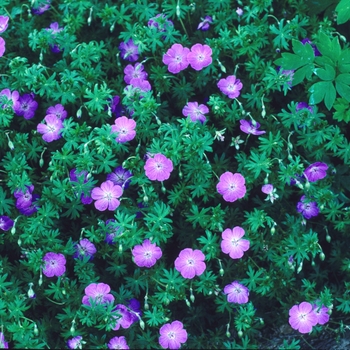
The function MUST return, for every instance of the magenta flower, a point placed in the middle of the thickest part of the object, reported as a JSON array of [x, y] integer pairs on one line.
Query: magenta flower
[[302, 317], [270, 191], [307, 208], [176, 58], [3, 344], [2, 46], [126, 318], [124, 127], [321, 313], [32, 208], [41, 8], [129, 51], [160, 22], [84, 248], [8, 96], [134, 72], [172, 335], [24, 199], [195, 112], [54, 29], [158, 168], [4, 22], [303, 105], [231, 186], [98, 293], [120, 176], [316, 171], [58, 110], [52, 129], [250, 127], [230, 86], [142, 85], [147, 254], [55, 264], [233, 244], [118, 343], [107, 196], [190, 263], [75, 342], [5, 223], [236, 293], [205, 24], [77, 179], [116, 106], [26, 106], [200, 56]]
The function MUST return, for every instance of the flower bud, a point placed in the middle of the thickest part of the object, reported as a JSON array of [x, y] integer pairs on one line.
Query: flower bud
[[79, 112], [11, 146], [36, 330], [328, 238], [64, 291], [72, 328], [163, 189], [31, 293], [273, 230], [313, 263], [40, 282], [187, 302], [221, 272], [300, 267], [13, 230], [41, 162], [180, 175], [19, 241], [142, 324], [120, 248], [112, 27], [263, 112], [307, 185], [145, 199], [261, 321], [192, 298], [240, 334], [290, 158], [228, 334], [322, 256]]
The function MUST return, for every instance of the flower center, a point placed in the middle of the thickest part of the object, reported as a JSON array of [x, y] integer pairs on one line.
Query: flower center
[[108, 196], [53, 263], [190, 262], [159, 166], [232, 187], [25, 106], [147, 254], [171, 335], [235, 242], [178, 59], [200, 57]]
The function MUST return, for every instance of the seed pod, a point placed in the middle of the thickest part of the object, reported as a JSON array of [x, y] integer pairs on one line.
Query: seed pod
[[322, 256]]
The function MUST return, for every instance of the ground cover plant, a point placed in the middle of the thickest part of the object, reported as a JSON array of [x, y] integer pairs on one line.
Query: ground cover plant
[[174, 174]]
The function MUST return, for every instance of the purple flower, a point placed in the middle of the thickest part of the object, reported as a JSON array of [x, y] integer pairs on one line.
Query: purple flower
[[270, 191], [302, 317], [2, 46], [116, 107], [134, 72], [118, 343], [54, 29], [321, 313], [239, 11], [142, 85], [120, 176], [58, 110], [303, 105], [287, 74], [147, 254], [4, 22], [251, 127], [33, 208], [75, 342], [13, 97], [158, 168], [231, 186], [55, 264], [190, 263], [84, 248], [77, 179], [5, 223], [230, 86], [43, 7], [176, 58], [98, 293], [134, 308], [200, 56], [26, 106], [126, 318], [172, 335], [195, 112], [3, 343], [205, 24], [52, 129], [129, 51], [113, 231], [307, 208], [236, 293], [160, 22], [316, 171], [124, 127], [233, 244], [316, 52], [107, 196], [24, 199]]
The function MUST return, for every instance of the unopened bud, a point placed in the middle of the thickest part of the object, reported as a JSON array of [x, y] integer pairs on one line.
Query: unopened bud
[[261, 321], [290, 158], [112, 27], [180, 175], [120, 248], [64, 291], [19, 241], [290, 146], [31, 293], [240, 334], [307, 185], [192, 298], [40, 282], [79, 112], [273, 230], [178, 13], [342, 37], [313, 263], [328, 238], [263, 113], [322, 256], [221, 272], [142, 324], [300, 267], [13, 230], [145, 199], [228, 334], [36, 330], [187, 302], [11, 146], [72, 328], [41, 162], [163, 189]]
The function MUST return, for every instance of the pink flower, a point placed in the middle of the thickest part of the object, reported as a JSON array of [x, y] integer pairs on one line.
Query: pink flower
[[233, 244], [195, 112], [118, 343], [141, 84], [316, 171], [107, 196], [231, 186], [250, 127], [4, 20], [302, 317], [126, 318], [270, 191], [75, 342], [200, 56], [236, 293], [99, 293], [176, 58], [172, 335], [147, 254], [55, 264], [125, 129], [2, 46], [190, 263], [84, 248], [230, 86], [321, 313], [52, 129], [158, 168], [134, 72], [13, 97], [58, 110]]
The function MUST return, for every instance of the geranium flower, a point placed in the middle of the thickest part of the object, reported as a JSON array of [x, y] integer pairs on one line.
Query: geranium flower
[[4, 22], [3, 344], [24, 199], [190, 263], [321, 313], [142, 85], [200, 56], [239, 11], [75, 342], [230, 86], [316, 51], [205, 24], [133, 72], [176, 58], [303, 105], [158, 168], [55, 264], [40, 9], [84, 248], [302, 317], [51, 131], [250, 127], [270, 191], [129, 51], [316, 171], [160, 22], [233, 244], [172, 335], [33, 208], [307, 208], [126, 318], [231, 186], [120, 176], [2, 46], [146, 254], [10, 96], [118, 343], [195, 112], [26, 106], [236, 293], [5, 223], [113, 231], [57, 110], [107, 196], [76, 179], [124, 127], [99, 293]]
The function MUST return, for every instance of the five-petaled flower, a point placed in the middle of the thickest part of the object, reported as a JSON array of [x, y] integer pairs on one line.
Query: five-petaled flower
[[231, 186], [125, 128], [233, 244], [84, 248], [55, 264], [120, 176], [51, 131], [77, 180], [129, 51], [26, 106], [107, 196], [158, 168], [146, 254], [307, 208], [5, 223], [321, 313], [75, 342], [195, 112], [302, 317], [251, 127], [230, 86], [118, 343], [176, 58], [98, 293], [58, 111], [190, 263], [316, 171], [236, 293], [172, 335], [205, 24], [133, 72], [200, 56]]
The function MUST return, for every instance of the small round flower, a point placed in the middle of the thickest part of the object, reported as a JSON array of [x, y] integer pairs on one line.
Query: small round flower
[[99, 293], [52, 129], [172, 335], [84, 248], [267, 189], [129, 51], [239, 11], [24, 199], [58, 110], [11, 97], [147, 254], [302, 317], [200, 56], [236, 293], [107, 196], [75, 343], [176, 58], [41, 8], [231, 186], [250, 127], [230, 86], [120, 176], [158, 168], [307, 208], [316, 171], [140, 84], [303, 105], [190, 263], [118, 343], [133, 72], [124, 127], [55, 264], [26, 106], [321, 313], [233, 244], [5, 223], [195, 112], [126, 318]]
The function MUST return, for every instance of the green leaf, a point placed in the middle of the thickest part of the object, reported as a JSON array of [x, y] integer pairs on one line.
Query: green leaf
[[322, 90], [326, 73], [328, 48], [344, 61], [342, 113], [343, 11], [342, 83], [5, 204]]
